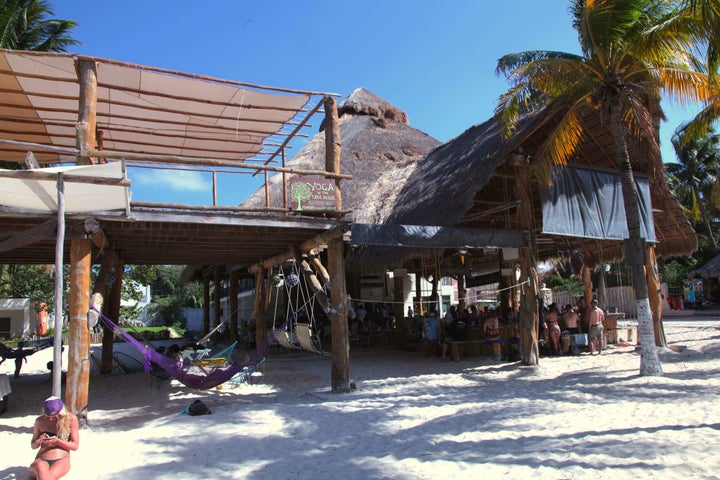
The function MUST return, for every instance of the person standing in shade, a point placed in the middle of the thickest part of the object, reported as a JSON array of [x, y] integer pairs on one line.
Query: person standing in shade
[[595, 322]]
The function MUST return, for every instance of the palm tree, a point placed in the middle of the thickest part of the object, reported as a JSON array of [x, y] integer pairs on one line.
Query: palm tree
[[624, 67], [24, 26], [701, 18], [698, 160]]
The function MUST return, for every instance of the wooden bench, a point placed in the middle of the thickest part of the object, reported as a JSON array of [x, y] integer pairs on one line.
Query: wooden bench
[[457, 347]]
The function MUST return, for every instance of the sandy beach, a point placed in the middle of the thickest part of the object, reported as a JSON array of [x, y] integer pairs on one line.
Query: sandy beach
[[574, 417]]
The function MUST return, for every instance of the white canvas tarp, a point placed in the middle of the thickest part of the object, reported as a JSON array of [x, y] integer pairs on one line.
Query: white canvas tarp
[[41, 195]]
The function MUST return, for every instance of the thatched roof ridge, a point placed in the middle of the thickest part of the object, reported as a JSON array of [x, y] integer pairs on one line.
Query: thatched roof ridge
[[364, 102], [460, 182], [442, 187], [379, 152]]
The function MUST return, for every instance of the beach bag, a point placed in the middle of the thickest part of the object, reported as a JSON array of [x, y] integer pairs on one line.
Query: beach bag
[[198, 408]]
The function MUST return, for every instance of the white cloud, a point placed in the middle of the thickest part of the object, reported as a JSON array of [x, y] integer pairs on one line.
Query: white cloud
[[180, 180]]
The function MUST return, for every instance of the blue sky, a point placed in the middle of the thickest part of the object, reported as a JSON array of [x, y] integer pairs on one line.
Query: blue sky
[[433, 59]]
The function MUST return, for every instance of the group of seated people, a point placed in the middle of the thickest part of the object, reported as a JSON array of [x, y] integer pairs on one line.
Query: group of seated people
[[455, 325]]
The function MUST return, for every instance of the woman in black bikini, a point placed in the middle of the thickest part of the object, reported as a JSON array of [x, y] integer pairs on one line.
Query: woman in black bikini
[[55, 433]]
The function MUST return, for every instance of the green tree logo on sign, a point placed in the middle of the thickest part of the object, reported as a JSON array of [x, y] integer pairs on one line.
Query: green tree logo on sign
[[300, 191]]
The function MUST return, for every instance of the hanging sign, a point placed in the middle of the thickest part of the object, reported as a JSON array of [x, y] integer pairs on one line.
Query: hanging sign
[[308, 193]]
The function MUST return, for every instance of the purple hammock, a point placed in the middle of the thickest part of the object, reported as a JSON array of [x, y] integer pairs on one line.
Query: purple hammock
[[174, 368]]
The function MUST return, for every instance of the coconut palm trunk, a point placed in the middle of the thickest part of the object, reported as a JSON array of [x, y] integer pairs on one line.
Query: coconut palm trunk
[[635, 249]]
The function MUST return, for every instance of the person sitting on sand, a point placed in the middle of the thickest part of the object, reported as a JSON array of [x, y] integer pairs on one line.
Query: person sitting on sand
[[55, 433]]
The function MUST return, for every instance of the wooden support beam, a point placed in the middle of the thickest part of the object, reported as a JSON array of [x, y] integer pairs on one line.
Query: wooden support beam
[[206, 304], [262, 297], [332, 145], [529, 316], [306, 246], [78, 373], [87, 108], [233, 293], [217, 311], [340, 362], [107, 266], [112, 310]]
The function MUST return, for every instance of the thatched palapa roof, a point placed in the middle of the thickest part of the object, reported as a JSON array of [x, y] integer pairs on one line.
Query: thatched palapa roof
[[469, 182], [379, 149]]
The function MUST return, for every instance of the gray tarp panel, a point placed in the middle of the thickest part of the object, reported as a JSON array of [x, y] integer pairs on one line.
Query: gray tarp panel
[[589, 204], [420, 236]]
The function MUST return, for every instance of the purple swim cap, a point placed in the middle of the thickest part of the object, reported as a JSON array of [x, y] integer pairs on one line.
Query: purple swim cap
[[52, 406]]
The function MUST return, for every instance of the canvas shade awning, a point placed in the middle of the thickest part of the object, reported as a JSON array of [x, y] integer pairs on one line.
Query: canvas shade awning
[[40, 195], [140, 110]]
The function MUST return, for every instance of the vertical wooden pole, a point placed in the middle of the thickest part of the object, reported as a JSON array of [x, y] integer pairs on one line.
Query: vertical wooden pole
[[216, 297], [462, 294], [332, 144], [588, 296], [399, 298], [234, 304], [261, 292], [285, 203], [78, 374], [107, 265], [59, 303], [111, 308], [87, 108], [340, 369], [418, 294], [528, 316], [206, 305], [655, 296]]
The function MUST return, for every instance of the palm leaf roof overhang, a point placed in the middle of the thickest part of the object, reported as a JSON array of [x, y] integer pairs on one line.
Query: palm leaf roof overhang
[[469, 182], [161, 119]]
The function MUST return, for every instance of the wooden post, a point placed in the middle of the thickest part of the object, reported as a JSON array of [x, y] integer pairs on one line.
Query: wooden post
[[233, 293], [399, 298], [261, 305], [78, 374], [655, 296], [529, 317], [206, 305], [59, 309], [418, 293], [340, 369], [462, 293], [217, 311], [587, 296], [111, 309], [108, 263], [332, 144], [87, 108]]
